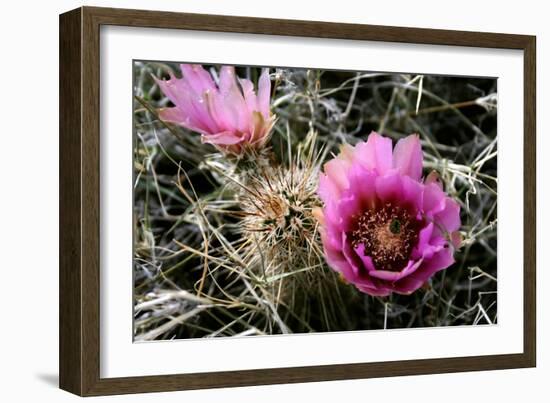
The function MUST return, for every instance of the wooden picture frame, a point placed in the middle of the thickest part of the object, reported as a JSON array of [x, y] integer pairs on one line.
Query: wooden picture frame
[[79, 347]]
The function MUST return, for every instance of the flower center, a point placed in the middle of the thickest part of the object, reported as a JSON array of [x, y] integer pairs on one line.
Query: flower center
[[388, 235]]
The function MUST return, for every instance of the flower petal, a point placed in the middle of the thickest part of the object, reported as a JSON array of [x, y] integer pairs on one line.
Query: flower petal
[[222, 138], [433, 177], [223, 117], [264, 92], [449, 217], [377, 291], [197, 77], [366, 260], [228, 81], [348, 208], [233, 100], [439, 261], [249, 95], [178, 116], [433, 200], [334, 256], [317, 212], [389, 187], [456, 239], [375, 154], [407, 156], [336, 170], [407, 285], [347, 153], [352, 258], [413, 192], [423, 245], [328, 190], [387, 275]]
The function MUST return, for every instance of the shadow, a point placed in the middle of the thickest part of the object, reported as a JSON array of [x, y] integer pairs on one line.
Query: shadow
[[50, 379]]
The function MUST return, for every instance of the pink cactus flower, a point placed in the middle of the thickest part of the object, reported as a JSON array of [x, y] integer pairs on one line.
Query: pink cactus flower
[[383, 228], [227, 114]]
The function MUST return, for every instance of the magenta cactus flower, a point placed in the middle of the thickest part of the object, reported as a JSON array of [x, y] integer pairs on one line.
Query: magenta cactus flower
[[229, 115], [383, 228]]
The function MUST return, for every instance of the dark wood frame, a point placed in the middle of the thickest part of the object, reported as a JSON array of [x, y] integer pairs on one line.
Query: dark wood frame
[[79, 200]]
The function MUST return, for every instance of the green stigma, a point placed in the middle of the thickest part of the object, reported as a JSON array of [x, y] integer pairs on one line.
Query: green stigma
[[395, 226]]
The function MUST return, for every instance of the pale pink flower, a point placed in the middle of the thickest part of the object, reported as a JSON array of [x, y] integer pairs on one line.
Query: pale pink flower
[[384, 229], [228, 114]]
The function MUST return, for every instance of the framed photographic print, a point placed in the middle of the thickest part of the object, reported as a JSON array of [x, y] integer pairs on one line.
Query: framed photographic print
[[250, 201]]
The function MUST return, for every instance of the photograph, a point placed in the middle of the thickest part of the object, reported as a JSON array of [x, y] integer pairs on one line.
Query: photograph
[[273, 200]]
